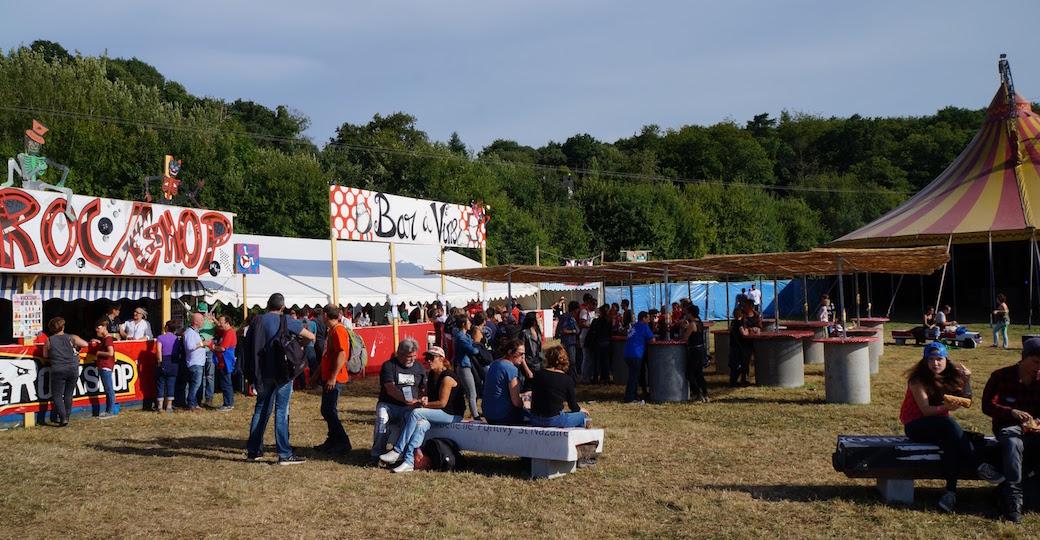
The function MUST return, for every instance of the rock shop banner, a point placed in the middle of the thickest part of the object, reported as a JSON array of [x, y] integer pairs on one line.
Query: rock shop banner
[[111, 237], [358, 214]]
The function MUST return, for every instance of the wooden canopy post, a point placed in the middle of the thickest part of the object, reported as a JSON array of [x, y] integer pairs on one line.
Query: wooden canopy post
[[805, 297], [335, 270], [992, 282], [538, 262], [393, 296], [870, 296], [1030, 324], [166, 294], [855, 289], [707, 303], [729, 312], [776, 303]]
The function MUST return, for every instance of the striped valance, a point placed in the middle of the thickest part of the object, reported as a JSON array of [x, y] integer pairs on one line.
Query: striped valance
[[70, 288]]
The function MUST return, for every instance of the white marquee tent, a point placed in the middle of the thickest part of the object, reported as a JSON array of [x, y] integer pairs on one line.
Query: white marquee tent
[[299, 269]]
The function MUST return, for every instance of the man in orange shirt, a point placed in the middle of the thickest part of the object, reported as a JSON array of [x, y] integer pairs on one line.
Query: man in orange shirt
[[334, 376]]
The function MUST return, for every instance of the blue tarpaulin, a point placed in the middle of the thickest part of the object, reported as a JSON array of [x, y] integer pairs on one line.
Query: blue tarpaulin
[[653, 295]]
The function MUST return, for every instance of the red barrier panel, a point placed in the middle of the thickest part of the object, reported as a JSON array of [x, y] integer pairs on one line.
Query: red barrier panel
[[379, 342], [25, 385]]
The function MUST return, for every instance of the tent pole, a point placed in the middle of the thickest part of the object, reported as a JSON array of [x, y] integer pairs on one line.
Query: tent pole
[[870, 302], [953, 284], [992, 282], [895, 291], [776, 305], [1030, 281], [538, 262], [841, 297], [483, 284], [689, 291], [942, 278], [920, 283], [729, 312], [855, 288], [631, 295], [805, 298], [393, 294], [245, 303]]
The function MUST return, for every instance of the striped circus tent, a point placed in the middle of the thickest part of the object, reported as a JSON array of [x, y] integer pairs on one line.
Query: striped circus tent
[[992, 188], [70, 288]]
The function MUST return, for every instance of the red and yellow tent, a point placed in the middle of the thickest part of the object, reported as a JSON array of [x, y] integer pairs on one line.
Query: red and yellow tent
[[992, 188]]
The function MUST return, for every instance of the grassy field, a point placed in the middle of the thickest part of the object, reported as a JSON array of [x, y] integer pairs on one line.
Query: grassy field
[[754, 463]]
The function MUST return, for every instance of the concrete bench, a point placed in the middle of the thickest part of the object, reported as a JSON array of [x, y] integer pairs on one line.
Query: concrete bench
[[553, 452], [895, 462]]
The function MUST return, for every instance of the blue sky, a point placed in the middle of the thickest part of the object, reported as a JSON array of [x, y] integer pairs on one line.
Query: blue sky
[[536, 71]]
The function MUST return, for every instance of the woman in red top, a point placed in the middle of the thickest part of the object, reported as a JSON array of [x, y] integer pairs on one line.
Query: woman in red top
[[925, 415], [105, 362]]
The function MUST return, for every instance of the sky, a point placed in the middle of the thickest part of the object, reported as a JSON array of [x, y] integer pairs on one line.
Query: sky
[[535, 71]]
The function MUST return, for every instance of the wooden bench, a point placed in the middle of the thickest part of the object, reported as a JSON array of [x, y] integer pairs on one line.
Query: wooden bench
[[553, 452], [966, 340], [895, 462], [902, 336]]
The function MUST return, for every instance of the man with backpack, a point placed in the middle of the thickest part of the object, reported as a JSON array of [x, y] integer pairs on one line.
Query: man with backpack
[[334, 376], [273, 359]]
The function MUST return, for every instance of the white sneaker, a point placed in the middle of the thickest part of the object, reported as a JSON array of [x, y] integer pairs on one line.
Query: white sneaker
[[990, 474], [390, 457], [404, 467]]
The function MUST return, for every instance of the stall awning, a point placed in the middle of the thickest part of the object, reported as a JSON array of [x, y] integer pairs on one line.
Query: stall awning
[[299, 269], [90, 288]]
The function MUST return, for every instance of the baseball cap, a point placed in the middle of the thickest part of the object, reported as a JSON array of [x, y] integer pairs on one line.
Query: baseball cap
[[938, 349], [435, 351], [1031, 347]]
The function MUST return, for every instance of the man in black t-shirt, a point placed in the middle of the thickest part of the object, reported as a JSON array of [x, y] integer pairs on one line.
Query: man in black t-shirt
[[402, 381]]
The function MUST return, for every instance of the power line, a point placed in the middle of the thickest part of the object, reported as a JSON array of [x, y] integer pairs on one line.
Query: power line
[[432, 155]]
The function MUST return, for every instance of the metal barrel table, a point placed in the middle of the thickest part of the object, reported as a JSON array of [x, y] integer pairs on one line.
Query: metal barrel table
[[877, 324], [779, 358], [721, 351], [618, 368], [847, 369], [666, 369], [812, 350], [873, 348]]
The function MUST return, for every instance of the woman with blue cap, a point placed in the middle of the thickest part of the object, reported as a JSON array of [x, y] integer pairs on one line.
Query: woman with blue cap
[[935, 386]]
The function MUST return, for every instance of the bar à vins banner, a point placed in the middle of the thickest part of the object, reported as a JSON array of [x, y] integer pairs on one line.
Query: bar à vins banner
[[110, 237], [358, 214]]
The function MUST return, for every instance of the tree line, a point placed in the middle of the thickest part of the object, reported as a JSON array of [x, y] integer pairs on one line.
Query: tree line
[[769, 184]]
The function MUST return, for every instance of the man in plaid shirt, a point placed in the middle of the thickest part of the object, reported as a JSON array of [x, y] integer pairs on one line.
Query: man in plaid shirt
[[1012, 400]]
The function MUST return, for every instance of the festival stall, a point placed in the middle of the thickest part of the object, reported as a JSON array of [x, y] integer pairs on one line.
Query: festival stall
[[60, 248]]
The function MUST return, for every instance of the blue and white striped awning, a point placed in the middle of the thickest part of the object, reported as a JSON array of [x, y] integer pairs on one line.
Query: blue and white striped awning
[[70, 288]]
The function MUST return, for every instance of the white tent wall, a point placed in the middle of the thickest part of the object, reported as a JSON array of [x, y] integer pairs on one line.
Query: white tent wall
[[299, 269]]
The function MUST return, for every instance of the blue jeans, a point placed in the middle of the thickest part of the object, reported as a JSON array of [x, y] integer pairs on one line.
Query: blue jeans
[[946, 433], [225, 387], [194, 383], [164, 385], [110, 390], [271, 395], [209, 378], [1000, 331], [562, 420], [632, 385], [386, 414], [415, 427], [337, 436], [1014, 445]]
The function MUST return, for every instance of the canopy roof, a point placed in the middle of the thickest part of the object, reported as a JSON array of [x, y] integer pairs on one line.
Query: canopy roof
[[299, 269], [818, 262], [992, 187]]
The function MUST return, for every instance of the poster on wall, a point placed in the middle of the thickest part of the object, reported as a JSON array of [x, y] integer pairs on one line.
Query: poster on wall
[[109, 237], [28, 315], [358, 214], [247, 259]]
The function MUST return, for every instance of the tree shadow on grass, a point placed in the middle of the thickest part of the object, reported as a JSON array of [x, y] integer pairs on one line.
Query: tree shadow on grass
[[777, 401], [974, 501], [200, 447]]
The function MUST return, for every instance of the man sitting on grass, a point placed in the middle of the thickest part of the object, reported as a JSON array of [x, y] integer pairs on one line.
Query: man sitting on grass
[[1012, 399]]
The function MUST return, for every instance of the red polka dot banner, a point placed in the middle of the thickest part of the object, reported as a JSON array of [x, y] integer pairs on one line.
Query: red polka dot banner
[[359, 214]]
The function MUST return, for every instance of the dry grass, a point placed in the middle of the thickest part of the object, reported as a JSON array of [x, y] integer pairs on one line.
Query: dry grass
[[755, 463]]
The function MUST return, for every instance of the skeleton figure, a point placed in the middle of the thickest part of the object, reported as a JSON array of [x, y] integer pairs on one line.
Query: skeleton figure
[[31, 166], [170, 186]]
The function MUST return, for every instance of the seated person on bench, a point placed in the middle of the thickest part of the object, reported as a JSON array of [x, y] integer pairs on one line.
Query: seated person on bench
[[942, 320], [401, 383], [928, 329], [448, 408], [502, 402], [925, 415], [550, 388], [1012, 399]]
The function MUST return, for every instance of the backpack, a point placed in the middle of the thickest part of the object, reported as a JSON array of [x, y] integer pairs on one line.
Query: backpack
[[289, 354], [443, 454], [180, 355], [358, 360]]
